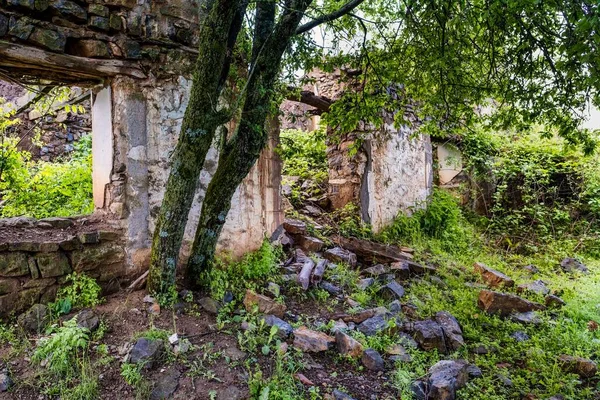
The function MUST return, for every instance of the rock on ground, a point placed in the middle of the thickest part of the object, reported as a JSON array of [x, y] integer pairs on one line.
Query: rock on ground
[[504, 303], [146, 351], [429, 335], [372, 360], [337, 254], [265, 305], [446, 377], [88, 319], [347, 345], [492, 277], [166, 384], [571, 265], [451, 330], [35, 319], [312, 341], [577, 365]]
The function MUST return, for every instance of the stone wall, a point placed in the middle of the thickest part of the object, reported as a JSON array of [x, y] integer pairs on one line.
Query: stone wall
[[160, 35], [33, 268]]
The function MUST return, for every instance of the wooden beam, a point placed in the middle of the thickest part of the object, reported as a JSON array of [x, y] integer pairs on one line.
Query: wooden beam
[[30, 58]]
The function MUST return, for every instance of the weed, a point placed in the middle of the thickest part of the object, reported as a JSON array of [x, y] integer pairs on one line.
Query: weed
[[82, 291], [132, 375]]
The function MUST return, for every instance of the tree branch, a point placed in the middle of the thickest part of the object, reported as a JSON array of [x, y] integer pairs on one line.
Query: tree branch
[[307, 97], [345, 9]]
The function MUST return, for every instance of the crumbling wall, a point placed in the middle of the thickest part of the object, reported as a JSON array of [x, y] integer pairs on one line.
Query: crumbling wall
[[147, 120], [34, 265]]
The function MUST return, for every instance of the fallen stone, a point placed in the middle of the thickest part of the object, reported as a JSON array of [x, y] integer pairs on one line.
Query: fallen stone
[[231, 393], [583, 367], [446, 377], [392, 290], [537, 287], [311, 244], [492, 277], [553, 301], [474, 371], [35, 319], [234, 353], [429, 335], [347, 345], [372, 360], [520, 336], [378, 323], [505, 380], [528, 318], [483, 349], [419, 390], [312, 210], [375, 270], [370, 252], [312, 341], [6, 381], [401, 269], [88, 319], [337, 254], [209, 305], [166, 384], [146, 351], [451, 329], [339, 325], [265, 305], [571, 265], [395, 307], [284, 329], [330, 288], [363, 284], [504, 303], [361, 315], [531, 268], [303, 379], [294, 227], [339, 395]]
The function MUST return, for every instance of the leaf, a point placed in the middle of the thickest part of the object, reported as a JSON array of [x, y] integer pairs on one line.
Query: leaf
[[264, 394]]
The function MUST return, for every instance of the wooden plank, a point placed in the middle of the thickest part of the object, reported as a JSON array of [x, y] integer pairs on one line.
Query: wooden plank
[[15, 55]]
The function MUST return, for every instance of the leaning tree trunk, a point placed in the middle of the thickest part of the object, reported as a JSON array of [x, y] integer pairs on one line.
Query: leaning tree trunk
[[201, 119], [244, 148]]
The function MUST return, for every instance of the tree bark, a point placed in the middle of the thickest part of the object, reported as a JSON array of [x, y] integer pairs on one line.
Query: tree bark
[[201, 119], [244, 148]]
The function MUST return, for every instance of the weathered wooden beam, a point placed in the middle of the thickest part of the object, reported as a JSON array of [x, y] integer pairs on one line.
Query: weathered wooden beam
[[31, 58]]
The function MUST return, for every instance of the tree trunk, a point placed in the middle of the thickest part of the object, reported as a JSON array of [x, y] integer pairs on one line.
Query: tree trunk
[[244, 148], [201, 119]]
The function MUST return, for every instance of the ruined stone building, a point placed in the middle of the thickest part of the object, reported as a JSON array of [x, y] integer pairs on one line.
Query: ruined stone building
[[136, 57]]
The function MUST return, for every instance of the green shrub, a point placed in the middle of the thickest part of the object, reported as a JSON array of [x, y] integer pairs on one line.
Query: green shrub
[[249, 273], [47, 189], [82, 291], [304, 154], [63, 348]]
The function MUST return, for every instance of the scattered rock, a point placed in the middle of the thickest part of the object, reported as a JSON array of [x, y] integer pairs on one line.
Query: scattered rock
[[304, 380], [231, 393], [35, 319], [529, 318], [372, 360], [483, 349], [504, 379], [571, 265], [337, 254], [372, 326], [531, 268], [166, 384], [284, 329], [274, 289], [537, 287], [347, 345], [363, 284], [375, 270], [401, 269], [339, 325], [146, 351], [504, 303], [429, 335], [234, 353], [451, 330], [209, 305], [173, 339], [577, 365], [6, 381], [182, 347], [88, 319], [492, 277], [553, 301], [446, 377], [330, 288], [520, 336], [312, 341], [154, 309], [311, 244], [419, 390], [393, 290], [395, 307], [361, 316], [265, 304], [294, 226], [339, 395], [149, 299]]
